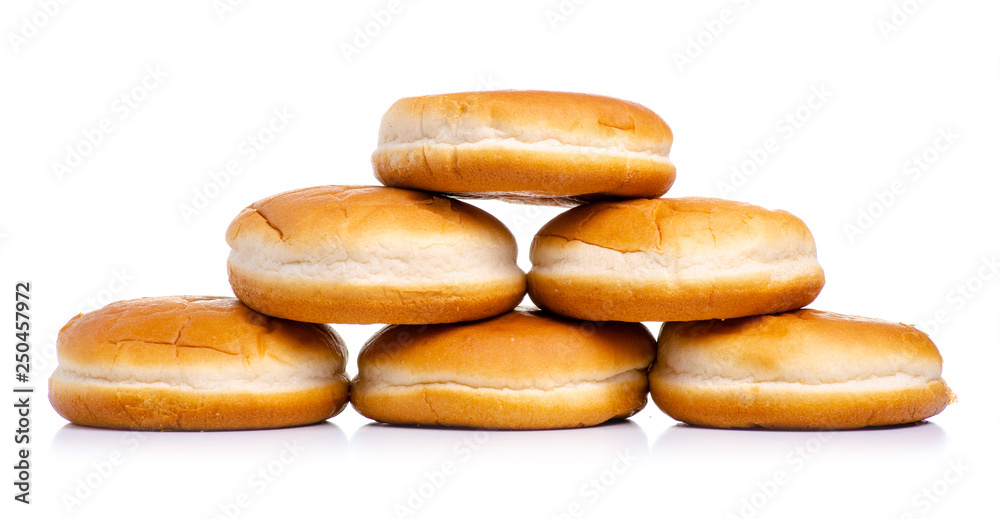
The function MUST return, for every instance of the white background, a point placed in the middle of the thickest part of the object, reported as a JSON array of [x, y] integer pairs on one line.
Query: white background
[[893, 75]]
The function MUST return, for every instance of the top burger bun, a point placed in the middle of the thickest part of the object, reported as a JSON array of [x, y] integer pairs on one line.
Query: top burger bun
[[528, 146]]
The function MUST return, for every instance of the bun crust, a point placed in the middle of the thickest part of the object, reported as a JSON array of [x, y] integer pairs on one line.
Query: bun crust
[[520, 370], [797, 370], [527, 146], [353, 254], [680, 259], [196, 363]]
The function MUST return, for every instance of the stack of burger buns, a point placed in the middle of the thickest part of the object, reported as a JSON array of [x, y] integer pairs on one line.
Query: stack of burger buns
[[728, 280]]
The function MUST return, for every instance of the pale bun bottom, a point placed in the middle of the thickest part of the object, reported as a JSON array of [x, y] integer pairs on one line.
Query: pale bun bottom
[[314, 301], [743, 406], [602, 298], [456, 405], [557, 177], [149, 408]]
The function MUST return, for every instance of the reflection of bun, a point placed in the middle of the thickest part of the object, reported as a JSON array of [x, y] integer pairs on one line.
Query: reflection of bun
[[521, 370], [372, 255], [797, 370], [547, 147], [196, 363], [680, 259]]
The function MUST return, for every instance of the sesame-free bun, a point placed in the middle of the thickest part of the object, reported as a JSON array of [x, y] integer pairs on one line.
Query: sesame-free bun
[[196, 363], [797, 370], [680, 259], [524, 145], [355, 254], [521, 370]]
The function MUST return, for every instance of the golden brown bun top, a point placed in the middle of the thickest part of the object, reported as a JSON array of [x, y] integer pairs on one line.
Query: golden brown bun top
[[806, 346], [528, 116], [306, 218], [522, 345], [680, 225], [159, 334]]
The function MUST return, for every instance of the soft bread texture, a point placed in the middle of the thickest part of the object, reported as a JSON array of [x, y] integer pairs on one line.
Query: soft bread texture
[[525, 146], [196, 363], [803, 369], [522, 370], [681, 259], [355, 254]]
